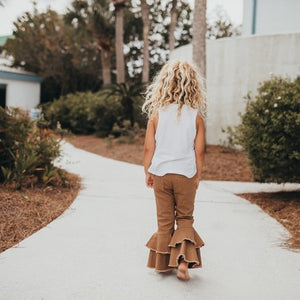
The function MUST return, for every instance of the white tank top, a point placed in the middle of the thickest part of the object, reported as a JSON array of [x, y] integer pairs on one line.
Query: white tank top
[[174, 151]]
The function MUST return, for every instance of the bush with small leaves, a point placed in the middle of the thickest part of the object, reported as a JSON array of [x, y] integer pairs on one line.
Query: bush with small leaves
[[270, 131], [27, 151], [105, 112], [85, 113], [72, 112]]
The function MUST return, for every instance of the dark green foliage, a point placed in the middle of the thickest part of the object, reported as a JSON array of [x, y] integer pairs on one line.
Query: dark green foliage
[[72, 112], [14, 126], [84, 113], [129, 95], [27, 151], [88, 113], [270, 131], [105, 112]]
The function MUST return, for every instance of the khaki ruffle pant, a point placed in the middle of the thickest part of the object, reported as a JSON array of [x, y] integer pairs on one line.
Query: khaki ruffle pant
[[174, 196]]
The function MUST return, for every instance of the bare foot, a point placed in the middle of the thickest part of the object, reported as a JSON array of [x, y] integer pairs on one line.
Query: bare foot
[[182, 272]]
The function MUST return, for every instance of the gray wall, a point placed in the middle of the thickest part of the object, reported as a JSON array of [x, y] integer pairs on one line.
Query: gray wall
[[236, 66]]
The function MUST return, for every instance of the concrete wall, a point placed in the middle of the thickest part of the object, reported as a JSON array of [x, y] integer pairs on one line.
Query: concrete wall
[[236, 66], [279, 16], [23, 94]]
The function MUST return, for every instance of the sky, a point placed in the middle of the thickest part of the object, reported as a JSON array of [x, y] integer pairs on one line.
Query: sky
[[14, 8]]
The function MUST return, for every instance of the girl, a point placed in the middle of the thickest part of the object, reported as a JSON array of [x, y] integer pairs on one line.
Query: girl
[[173, 159]]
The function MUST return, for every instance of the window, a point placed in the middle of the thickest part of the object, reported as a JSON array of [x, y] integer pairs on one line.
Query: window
[[2, 95]]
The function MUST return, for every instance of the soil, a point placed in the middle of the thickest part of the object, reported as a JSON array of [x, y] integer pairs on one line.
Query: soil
[[285, 208], [24, 212]]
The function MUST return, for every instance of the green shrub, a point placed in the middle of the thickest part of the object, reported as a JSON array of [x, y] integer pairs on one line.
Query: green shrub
[[130, 97], [27, 151], [126, 133], [139, 117], [72, 112], [84, 113], [270, 131], [105, 112], [15, 124], [87, 113]]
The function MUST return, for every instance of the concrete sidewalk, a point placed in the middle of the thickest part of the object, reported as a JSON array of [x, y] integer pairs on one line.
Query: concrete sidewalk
[[96, 249]]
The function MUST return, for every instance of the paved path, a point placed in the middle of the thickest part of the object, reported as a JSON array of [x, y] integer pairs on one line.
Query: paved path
[[96, 249]]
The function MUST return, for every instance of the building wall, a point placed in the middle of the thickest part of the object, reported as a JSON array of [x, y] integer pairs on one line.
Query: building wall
[[279, 16], [23, 94], [236, 66]]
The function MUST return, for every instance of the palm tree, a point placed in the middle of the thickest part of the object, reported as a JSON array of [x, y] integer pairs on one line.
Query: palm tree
[[146, 28], [128, 94], [172, 27], [119, 39], [199, 40], [95, 18], [103, 31], [199, 34]]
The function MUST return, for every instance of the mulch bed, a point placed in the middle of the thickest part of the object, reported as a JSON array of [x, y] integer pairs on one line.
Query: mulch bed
[[285, 208], [24, 212]]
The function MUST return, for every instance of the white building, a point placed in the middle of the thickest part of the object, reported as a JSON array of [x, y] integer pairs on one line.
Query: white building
[[19, 88], [271, 16]]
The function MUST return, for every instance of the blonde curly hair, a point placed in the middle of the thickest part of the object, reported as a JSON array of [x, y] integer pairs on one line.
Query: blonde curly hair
[[177, 82]]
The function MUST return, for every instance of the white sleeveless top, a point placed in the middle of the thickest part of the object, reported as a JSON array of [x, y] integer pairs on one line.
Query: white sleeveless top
[[174, 151]]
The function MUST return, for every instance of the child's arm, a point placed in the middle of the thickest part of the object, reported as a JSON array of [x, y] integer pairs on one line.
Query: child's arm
[[199, 146], [149, 148]]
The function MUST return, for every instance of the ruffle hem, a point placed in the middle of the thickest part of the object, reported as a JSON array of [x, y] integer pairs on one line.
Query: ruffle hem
[[166, 249]]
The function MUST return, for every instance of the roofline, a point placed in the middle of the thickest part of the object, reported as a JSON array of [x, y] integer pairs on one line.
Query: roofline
[[4, 38], [18, 76]]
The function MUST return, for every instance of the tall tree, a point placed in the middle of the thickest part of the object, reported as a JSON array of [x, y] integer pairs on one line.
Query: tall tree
[[96, 18], [174, 15], [45, 45], [119, 39], [146, 28], [199, 35]]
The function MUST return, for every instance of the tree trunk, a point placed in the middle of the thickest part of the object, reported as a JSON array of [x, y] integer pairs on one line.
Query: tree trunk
[[146, 25], [199, 36], [120, 64], [172, 27], [199, 41], [106, 66]]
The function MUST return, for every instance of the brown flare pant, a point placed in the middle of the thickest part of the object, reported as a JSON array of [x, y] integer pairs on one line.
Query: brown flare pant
[[175, 196]]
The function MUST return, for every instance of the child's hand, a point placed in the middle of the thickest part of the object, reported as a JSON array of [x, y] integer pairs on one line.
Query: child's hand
[[197, 182], [149, 180]]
